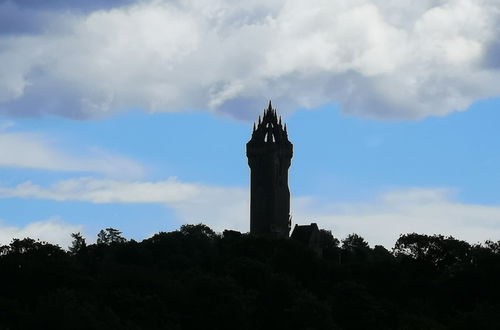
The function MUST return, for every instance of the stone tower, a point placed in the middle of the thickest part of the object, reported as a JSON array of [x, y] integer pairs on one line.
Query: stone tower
[[269, 155]]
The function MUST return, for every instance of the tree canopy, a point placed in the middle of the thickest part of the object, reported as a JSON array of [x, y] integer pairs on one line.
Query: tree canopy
[[194, 278]]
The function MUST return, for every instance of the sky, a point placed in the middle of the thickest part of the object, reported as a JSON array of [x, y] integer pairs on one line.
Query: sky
[[135, 114]]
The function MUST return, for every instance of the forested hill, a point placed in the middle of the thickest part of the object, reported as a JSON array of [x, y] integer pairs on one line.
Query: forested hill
[[194, 278]]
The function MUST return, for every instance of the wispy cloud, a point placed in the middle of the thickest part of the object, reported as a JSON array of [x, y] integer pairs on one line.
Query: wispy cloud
[[422, 210], [383, 59], [53, 230], [221, 207], [37, 151]]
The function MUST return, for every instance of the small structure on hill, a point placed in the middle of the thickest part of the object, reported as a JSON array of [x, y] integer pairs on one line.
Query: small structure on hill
[[309, 235]]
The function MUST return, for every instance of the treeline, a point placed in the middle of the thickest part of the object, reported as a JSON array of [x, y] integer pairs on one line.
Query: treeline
[[194, 278]]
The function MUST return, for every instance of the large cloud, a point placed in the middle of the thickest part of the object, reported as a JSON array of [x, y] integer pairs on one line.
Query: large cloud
[[382, 59], [381, 221], [32, 16]]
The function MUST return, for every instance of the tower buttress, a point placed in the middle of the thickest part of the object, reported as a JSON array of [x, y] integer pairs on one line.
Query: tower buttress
[[269, 155]]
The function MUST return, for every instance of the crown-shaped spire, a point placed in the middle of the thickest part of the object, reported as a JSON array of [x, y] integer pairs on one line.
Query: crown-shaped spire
[[269, 129]]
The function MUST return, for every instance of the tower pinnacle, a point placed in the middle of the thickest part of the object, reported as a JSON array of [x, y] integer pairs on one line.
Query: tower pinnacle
[[269, 128], [269, 155]]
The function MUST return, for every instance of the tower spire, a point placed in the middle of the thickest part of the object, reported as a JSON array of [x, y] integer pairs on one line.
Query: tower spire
[[269, 155]]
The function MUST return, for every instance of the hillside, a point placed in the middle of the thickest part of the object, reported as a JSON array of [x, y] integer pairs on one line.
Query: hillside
[[194, 278]]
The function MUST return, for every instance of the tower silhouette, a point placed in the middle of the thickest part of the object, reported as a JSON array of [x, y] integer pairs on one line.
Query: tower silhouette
[[269, 156]]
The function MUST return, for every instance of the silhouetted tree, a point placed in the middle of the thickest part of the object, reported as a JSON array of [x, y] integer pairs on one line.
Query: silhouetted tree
[[493, 246], [380, 253], [329, 245], [354, 248], [327, 241], [110, 235], [21, 246], [198, 230], [437, 249], [193, 278], [354, 241], [78, 244]]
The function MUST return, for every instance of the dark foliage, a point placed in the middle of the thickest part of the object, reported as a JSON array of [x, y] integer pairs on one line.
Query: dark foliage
[[109, 236], [196, 279]]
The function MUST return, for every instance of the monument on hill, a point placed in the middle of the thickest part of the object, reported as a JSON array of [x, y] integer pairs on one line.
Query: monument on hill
[[269, 155]]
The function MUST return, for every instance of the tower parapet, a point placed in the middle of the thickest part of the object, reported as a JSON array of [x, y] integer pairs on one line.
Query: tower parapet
[[269, 155]]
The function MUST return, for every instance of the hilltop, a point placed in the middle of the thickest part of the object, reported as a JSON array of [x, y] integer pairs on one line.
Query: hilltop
[[193, 278]]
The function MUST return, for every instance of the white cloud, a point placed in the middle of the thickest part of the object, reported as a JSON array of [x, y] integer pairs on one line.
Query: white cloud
[[37, 151], [421, 210], [220, 207], [377, 58], [53, 230]]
